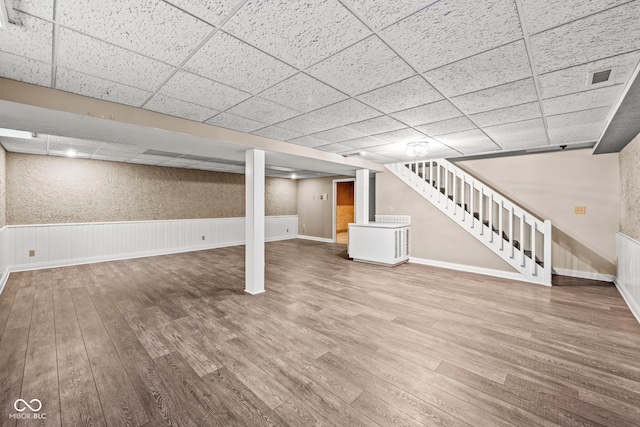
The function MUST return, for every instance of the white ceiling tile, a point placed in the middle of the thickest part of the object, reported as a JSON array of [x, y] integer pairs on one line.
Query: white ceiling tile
[[458, 124], [303, 93], [298, 32], [506, 95], [30, 37], [450, 30], [39, 8], [24, 69], [90, 56], [402, 135], [362, 67], [434, 112], [605, 34], [380, 14], [500, 116], [81, 146], [230, 121], [212, 11], [178, 163], [378, 158], [122, 159], [305, 124], [468, 139], [332, 116], [595, 115], [201, 91], [308, 141], [545, 14], [364, 142], [120, 150], [603, 97], [338, 134], [504, 64], [589, 132], [151, 27], [401, 95], [175, 107], [335, 148], [29, 146], [376, 125], [278, 133], [398, 151], [263, 110], [528, 132], [576, 79], [95, 87], [146, 160], [235, 63]]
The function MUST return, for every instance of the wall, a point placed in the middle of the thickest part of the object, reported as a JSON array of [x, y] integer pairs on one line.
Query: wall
[[3, 194], [549, 185], [315, 216], [433, 235], [630, 189], [46, 190]]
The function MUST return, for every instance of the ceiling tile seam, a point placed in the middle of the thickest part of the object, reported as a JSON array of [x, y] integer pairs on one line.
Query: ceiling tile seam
[[589, 62], [175, 99], [188, 13], [96, 150], [582, 17], [106, 80], [582, 91], [409, 15], [532, 65], [425, 78], [196, 50], [580, 111], [54, 46]]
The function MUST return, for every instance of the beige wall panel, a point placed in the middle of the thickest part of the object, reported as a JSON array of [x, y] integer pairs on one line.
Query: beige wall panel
[[433, 235], [630, 189], [43, 189], [3, 194], [315, 216], [551, 185]]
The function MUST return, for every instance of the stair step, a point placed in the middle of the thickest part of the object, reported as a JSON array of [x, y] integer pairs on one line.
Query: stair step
[[528, 253]]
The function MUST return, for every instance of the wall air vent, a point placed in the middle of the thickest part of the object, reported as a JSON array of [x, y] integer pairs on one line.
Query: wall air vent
[[600, 76]]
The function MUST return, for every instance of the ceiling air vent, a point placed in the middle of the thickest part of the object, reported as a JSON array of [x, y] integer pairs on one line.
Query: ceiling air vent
[[600, 76]]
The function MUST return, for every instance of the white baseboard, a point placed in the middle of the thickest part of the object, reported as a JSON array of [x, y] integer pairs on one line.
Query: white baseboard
[[314, 238], [512, 275], [585, 274], [633, 306]]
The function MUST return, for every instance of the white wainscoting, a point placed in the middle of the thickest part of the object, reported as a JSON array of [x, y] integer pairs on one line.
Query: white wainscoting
[[67, 244], [628, 278]]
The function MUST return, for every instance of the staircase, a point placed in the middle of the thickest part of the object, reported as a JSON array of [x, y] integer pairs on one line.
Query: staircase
[[514, 234]]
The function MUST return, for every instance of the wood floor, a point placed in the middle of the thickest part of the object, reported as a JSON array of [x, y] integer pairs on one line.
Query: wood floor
[[174, 340]]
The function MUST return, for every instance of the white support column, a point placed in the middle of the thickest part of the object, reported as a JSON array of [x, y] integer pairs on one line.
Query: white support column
[[254, 227], [362, 196]]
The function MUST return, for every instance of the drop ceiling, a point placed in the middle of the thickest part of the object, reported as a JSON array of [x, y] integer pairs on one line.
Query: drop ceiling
[[341, 76]]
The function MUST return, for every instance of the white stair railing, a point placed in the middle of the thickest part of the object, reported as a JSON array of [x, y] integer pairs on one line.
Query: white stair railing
[[486, 214]]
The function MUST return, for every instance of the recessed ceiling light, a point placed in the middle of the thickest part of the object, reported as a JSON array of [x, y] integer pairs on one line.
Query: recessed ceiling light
[[417, 149], [12, 133], [71, 153], [363, 153], [293, 176]]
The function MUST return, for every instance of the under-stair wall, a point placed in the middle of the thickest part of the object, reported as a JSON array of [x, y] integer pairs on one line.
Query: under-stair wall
[[514, 234]]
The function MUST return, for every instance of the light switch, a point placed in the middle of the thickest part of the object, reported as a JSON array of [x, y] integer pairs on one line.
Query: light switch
[[580, 210]]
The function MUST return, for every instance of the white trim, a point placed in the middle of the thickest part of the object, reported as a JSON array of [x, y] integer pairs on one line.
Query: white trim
[[335, 200], [511, 275], [633, 306], [255, 293], [4, 278], [585, 274], [314, 238]]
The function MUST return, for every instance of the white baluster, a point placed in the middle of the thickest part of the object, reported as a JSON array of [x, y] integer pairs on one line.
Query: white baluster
[[547, 252], [522, 240], [511, 232], [533, 248], [501, 207], [490, 217]]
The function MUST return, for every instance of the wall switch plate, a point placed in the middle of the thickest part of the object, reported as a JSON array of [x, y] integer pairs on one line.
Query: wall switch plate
[[580, 210], [202, 237], [32, 252]]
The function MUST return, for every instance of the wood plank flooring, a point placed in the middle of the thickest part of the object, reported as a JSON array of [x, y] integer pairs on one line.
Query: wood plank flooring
[[173, 340]]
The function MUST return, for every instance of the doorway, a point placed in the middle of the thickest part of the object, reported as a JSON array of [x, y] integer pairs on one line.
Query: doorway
[[344, 212]]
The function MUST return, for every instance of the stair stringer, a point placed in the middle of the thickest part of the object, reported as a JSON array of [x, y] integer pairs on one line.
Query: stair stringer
[[516, 258]]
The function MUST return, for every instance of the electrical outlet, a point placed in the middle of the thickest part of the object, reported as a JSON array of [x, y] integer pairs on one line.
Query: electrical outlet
[[580, 210], [202, 237], [32, 252], [287, 230]]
